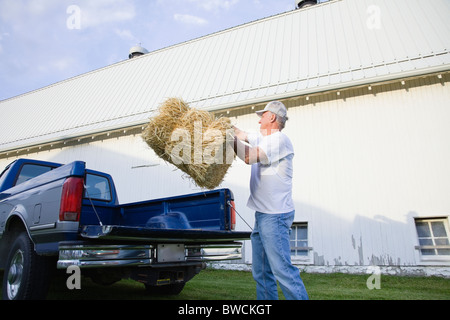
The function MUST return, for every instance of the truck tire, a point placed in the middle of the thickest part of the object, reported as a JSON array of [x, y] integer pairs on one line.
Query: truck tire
[[27, 275]]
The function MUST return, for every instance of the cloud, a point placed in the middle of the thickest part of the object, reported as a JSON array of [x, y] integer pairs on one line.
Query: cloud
[[58, 64], [100, 12], [62, 64], [189, 19], [4, 35], [126, 35], [214, 5]]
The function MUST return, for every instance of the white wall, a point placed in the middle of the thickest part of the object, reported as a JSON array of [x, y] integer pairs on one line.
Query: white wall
[[367, 163]]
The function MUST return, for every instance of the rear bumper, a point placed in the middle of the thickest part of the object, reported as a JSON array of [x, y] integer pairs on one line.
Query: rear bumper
[[102, 256]]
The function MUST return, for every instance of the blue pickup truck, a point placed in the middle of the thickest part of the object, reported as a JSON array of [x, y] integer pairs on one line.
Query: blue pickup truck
[[54, 216]]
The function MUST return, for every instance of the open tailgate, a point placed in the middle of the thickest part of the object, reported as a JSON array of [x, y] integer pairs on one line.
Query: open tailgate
[[126, 233]]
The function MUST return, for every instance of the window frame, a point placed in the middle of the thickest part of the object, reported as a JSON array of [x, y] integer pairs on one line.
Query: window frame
[[20, 171], [419, 247], [86, 194], [301, 259]]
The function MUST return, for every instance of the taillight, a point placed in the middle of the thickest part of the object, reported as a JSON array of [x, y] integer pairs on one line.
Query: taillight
[[233, 216], [72, 195]]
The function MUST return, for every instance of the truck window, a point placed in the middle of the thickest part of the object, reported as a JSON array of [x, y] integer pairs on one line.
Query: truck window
[[30, 171], [97, 188], [3, 175]]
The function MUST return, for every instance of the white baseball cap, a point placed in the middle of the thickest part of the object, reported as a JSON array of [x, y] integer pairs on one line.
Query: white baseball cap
[[276, 107]]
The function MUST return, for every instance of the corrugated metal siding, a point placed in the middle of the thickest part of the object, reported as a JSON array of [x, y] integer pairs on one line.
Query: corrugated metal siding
[[315, 49], [366, 163]]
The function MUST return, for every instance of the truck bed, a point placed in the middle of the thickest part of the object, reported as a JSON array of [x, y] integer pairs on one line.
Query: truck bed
[[192, 214], [183, 229]]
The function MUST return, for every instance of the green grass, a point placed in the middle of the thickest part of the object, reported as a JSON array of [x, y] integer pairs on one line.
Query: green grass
[[239, 285]]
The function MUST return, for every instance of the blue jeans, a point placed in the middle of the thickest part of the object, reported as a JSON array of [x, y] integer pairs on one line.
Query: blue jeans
[[272, 258]]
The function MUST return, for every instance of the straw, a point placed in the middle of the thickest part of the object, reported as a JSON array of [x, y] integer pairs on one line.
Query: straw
[[192, 140]]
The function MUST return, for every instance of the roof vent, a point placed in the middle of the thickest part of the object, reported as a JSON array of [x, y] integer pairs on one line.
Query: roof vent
[[300, 4], [137, 51]]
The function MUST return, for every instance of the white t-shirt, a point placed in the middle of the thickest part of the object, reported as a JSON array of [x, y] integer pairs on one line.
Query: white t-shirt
[[271, 184]]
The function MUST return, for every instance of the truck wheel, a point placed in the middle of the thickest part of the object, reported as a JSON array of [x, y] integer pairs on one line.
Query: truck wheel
[[170, 289], [26, 275]]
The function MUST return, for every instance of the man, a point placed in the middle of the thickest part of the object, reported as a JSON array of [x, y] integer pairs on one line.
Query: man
[[270, 154]]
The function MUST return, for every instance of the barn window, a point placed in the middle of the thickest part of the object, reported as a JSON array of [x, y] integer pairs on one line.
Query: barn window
[[299, 242], [433, 238]]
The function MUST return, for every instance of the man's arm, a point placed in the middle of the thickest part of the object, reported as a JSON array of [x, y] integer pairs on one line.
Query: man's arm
[[241, 135], [248, 154], [245, 152]]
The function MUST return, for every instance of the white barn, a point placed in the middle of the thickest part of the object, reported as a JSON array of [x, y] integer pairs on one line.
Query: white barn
[[366, 83]]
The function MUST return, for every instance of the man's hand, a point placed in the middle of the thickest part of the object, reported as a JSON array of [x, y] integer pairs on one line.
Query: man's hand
[[248, 154], [241, 135]]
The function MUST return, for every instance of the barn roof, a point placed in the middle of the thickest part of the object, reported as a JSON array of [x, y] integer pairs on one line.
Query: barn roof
[[336, 44]]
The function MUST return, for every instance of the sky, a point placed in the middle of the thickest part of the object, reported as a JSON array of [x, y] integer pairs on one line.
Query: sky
[[46, 41]]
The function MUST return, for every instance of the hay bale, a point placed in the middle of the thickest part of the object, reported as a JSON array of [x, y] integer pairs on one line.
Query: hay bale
[[192, 140], [160, 128]]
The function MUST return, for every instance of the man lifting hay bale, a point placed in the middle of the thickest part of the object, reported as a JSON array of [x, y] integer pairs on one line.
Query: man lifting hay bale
[[192, 140]]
